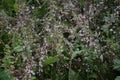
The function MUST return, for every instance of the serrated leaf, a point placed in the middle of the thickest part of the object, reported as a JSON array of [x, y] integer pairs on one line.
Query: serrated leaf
[[18, 49], [50, 60]]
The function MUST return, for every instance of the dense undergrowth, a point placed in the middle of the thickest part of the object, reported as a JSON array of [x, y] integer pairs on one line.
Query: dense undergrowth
[[59, 40]]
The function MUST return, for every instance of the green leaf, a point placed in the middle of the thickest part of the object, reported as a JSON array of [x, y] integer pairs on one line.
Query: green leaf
[[76, 53], [33, 78], [28, 49], [116, 64], [18, 48], [117, 78], [73, 75], [67, 23], [4, 75], [38, 1], [105, 27], [93, 75], [16, 7], [82, 3], [5, 37], [50, 60]]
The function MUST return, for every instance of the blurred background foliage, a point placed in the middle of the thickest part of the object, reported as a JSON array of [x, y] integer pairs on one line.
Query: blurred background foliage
[[59, 40]]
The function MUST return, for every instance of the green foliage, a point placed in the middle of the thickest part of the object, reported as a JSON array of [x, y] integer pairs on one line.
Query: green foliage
[[7, 5], [8, 60], [18, 48], [5, 76], [93, 76], [116, 64], [51, 60], [16, 7], [72, 75], [59, 40], [68, 24]]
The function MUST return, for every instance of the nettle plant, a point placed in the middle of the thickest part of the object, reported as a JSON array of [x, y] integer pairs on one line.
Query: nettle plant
[[59, 40]]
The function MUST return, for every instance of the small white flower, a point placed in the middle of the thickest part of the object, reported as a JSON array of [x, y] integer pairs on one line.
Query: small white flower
[[111, 30], [61, 50], [27, 9], [32, 72], [33, 7], [51, 35], [101, 57]]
